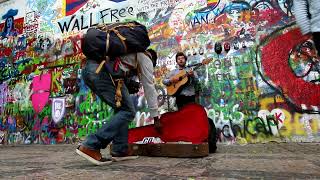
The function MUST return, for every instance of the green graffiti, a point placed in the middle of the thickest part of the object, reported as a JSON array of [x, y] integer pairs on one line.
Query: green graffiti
[[68, 133], [82, 132], [21, 67], [132, 124], [73, 59], [89, 124], [45, 112], [95, 114]]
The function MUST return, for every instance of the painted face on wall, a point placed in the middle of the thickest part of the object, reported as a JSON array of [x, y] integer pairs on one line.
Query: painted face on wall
[[9, 22], [218, 48], [304, 62], [235, 13], [181, 61], [46, 44]]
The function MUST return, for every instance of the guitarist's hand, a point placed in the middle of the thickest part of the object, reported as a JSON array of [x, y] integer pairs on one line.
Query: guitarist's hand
[[174, 79], [190, 73]]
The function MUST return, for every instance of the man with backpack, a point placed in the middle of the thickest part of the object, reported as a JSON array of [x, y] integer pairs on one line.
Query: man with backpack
[[307, 13], [106, 78]]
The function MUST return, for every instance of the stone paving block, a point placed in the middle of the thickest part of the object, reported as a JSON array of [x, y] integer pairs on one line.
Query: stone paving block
[[252, 161]]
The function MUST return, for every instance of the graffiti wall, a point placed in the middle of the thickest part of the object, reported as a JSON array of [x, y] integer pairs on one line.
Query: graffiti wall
[[263, 86]]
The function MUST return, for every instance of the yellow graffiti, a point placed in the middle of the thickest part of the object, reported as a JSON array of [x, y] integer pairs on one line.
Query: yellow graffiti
[[295, 127], [245, 16], [63, 9], [54, 81], [168, 32], [293, 123], [265, 102]]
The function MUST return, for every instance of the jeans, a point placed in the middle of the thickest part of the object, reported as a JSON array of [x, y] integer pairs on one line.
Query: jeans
[[116, 131]]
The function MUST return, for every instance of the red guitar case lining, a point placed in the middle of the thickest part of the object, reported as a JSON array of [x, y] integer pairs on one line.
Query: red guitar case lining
[[189, 124]]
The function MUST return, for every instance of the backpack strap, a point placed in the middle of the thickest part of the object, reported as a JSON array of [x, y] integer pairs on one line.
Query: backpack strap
[[101, 64], [147, 54], [107, 43], [122, 39], [118, 86], [114, 28], [118, 96]]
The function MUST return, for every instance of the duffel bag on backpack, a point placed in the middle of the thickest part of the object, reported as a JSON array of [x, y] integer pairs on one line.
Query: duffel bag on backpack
[[115, 40]]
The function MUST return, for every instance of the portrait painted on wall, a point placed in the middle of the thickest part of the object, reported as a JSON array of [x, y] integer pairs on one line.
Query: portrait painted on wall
[[11, 25]]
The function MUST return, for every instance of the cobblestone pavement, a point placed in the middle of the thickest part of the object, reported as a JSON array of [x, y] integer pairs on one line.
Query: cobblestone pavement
[[252, 161]]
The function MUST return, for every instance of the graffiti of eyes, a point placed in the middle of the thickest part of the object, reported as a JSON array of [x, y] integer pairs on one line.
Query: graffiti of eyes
[[235, 12], [264, 6], [45, 45]]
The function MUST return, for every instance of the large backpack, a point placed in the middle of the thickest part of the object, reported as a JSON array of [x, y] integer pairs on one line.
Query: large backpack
[[115, 40]]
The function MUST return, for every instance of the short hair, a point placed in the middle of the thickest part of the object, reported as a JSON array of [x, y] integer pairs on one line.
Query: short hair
[[180, 54], [154, 56]]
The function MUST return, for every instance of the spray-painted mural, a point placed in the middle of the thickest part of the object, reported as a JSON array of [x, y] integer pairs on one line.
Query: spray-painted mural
[[263, 86]]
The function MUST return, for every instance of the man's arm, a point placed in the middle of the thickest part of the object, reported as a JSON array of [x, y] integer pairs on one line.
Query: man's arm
[[146, 76], [301, 14]]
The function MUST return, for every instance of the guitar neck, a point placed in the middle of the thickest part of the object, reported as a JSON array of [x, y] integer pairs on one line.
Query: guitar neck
[[196, 66], [192, 65]]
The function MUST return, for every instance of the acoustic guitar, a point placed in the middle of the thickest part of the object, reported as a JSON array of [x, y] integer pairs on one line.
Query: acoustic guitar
[[173, 88]]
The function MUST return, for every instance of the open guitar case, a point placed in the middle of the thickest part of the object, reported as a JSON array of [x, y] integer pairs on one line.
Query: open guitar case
[[184, 133]]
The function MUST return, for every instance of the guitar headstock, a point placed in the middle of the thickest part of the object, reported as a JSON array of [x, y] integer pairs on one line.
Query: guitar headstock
[[206, 61]]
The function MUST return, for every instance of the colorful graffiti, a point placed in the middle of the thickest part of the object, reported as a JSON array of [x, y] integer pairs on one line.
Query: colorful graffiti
[[255, 90]]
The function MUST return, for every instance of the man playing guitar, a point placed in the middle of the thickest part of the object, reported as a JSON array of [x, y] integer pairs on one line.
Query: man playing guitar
[[186, 93], [181, 83]]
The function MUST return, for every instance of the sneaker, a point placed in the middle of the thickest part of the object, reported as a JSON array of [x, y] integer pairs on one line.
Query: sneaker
[[94, 156], [122, 156]]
